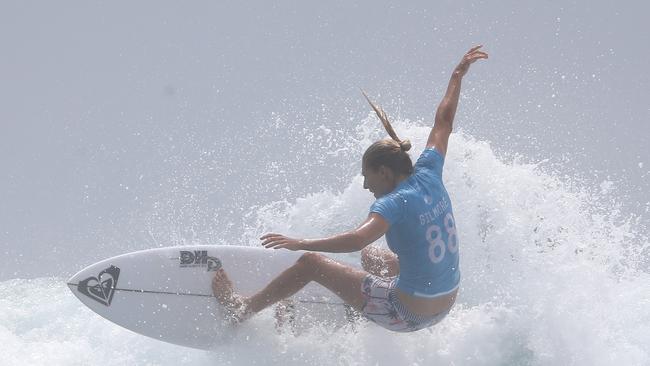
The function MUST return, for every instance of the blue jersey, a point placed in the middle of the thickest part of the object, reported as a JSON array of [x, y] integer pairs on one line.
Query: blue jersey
[[422, 230]]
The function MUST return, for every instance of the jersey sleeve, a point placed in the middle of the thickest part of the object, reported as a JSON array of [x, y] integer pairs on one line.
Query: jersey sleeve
[[432, 160], [390, 207]]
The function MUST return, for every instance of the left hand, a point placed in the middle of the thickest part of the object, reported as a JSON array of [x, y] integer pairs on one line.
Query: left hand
[[469, 58], [278, 241]]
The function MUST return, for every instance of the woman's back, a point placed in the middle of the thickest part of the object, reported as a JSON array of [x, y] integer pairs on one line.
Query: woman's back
[[422, 230]]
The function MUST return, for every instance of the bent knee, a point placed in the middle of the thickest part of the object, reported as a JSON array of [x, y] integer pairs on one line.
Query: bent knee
[[310, 264], [310, 258]]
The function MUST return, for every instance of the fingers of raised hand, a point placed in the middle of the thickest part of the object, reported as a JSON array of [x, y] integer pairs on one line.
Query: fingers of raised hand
[[474, 49], [476, 55], [471, 58]]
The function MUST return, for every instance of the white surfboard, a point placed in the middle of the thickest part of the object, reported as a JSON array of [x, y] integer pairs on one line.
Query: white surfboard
[[166, 294]]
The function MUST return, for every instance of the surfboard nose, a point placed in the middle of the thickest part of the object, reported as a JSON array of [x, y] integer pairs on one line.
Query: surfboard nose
[[73, 281]]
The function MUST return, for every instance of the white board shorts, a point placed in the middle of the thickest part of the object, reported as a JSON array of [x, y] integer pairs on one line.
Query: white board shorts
[[384, 308]]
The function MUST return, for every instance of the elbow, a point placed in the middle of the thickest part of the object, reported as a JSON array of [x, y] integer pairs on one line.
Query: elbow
[[446, 114], [444, 123], [445, 117]]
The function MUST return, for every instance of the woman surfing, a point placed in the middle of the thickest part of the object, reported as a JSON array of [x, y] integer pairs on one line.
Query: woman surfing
[[414, 284]]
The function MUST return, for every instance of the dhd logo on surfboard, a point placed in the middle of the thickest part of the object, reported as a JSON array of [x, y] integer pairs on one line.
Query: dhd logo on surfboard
[[199, 258]]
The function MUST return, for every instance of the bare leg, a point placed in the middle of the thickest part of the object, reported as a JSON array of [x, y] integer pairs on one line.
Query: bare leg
[[342, 280], [380, 262]]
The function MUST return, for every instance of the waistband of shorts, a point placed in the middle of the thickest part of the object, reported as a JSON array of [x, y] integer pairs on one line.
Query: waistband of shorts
[[407, 314], [430, 296]]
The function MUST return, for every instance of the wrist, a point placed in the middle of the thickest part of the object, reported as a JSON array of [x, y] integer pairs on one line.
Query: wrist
[[302, 244]]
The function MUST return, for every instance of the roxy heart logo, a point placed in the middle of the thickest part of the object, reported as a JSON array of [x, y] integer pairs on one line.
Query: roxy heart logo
[[102, 287]]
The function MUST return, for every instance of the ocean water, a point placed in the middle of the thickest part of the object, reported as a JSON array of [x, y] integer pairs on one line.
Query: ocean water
[[553, 273]]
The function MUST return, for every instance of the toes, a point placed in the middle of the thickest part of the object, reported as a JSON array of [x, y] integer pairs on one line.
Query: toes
[[236, 311]]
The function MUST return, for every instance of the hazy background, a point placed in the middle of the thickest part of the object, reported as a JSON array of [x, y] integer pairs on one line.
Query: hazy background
[[128, 125]]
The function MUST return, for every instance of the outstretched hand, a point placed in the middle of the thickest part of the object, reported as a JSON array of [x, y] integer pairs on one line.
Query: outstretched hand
[[469, 58], [278, 241]]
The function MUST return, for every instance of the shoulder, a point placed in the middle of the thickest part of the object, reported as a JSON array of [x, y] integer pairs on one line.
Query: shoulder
[[431, 152], [431, 158], [389, 206], [393, 197]]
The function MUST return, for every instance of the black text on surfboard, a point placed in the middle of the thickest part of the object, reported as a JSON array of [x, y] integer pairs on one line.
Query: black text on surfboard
[[102, 287], [199, 258]]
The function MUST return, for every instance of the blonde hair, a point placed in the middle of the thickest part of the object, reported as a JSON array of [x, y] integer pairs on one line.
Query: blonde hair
[[392, 152]]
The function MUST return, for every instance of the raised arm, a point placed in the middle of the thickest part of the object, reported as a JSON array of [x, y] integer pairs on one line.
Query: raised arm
[[439, 136], [370, 230]]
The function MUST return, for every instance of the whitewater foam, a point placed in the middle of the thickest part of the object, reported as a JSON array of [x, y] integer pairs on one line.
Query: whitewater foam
[[552, 273]]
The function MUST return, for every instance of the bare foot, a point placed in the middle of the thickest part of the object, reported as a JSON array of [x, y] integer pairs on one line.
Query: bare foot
[[236, 306], [285, 312]]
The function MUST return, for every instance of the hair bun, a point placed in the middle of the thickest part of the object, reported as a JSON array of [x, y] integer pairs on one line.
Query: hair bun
[[405, 145]]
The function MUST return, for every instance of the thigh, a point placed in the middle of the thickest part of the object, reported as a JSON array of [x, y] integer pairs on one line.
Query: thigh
[[343, 280], [379, 261]]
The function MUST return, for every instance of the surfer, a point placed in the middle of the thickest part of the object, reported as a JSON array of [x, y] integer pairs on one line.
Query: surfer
[[414, 284]]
